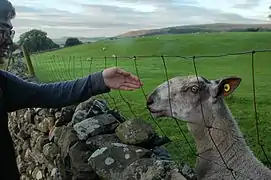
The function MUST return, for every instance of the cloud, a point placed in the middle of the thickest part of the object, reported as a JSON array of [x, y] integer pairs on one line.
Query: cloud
[[248, 4], [108, 18]]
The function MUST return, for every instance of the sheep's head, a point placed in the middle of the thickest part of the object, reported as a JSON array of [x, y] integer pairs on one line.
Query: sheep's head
[[187, 94]]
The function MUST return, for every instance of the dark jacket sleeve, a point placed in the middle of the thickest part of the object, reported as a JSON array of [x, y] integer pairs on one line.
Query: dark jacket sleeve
[[21, 94]]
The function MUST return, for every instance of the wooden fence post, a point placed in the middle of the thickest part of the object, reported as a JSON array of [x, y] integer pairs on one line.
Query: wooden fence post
[[28, 61]]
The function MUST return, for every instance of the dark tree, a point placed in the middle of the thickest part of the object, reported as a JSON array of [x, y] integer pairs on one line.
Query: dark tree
[[72, 41], [36, 40]]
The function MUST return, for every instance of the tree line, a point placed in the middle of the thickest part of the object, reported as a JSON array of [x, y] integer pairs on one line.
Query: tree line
[[37, 40]]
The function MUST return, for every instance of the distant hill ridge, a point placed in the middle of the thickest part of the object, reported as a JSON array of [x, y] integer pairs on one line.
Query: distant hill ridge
[[216, 27]]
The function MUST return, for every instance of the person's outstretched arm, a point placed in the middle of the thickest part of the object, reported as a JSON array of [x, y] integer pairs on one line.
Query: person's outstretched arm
[[20, 94]]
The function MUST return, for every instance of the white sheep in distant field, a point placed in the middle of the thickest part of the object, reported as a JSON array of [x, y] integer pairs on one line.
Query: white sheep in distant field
[[192, 99]]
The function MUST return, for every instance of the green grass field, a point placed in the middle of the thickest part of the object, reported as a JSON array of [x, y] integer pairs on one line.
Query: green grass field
[[70, 63]]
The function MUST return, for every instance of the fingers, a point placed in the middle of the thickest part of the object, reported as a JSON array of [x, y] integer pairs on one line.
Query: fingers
[[129, 86], [129, 78], [133, 79], [122, 72], [127, 74], [126, 88]]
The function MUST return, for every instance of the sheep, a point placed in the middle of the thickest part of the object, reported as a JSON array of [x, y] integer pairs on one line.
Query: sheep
[[200, 102]]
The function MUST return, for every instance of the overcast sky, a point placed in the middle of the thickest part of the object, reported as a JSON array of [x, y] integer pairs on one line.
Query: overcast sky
[[90, 18]]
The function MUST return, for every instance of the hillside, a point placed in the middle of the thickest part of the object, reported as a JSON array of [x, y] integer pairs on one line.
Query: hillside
[[178, 44], [74, 62], [217, 27]]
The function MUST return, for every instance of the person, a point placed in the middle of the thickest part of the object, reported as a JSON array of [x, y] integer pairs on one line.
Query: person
[[16, 93]]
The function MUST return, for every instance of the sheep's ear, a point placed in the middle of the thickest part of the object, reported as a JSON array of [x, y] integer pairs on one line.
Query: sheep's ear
[[225, 87]]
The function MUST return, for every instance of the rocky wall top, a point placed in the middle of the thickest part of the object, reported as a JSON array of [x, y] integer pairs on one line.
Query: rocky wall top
[[88, 141]]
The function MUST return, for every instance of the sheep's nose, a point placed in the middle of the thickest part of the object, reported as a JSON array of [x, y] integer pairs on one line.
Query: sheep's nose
[[150, 101]]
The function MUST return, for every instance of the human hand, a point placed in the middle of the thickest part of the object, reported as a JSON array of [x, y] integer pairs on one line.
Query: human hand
[[116, 78]]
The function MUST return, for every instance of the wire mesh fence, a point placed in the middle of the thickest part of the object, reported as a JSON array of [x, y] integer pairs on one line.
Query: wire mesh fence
[[249, 105]]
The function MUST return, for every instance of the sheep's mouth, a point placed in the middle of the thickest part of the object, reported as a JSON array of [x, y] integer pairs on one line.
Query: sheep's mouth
[[152, 110], [156, 112]]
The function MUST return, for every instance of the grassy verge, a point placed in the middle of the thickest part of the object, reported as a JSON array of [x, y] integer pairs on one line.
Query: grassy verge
[[75, 62]]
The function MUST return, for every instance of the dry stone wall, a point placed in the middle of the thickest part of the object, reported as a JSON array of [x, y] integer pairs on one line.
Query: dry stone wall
[[89, 141]]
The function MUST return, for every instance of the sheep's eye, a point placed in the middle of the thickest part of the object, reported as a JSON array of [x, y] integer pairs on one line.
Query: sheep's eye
[[227, 87], [194, 89]]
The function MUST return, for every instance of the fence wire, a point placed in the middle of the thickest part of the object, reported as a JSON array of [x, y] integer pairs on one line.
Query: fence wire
[[109, 94], [71, 64], [122, 97]]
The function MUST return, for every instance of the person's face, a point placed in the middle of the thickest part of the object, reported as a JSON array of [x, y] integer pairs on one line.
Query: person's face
[[6, 37]]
